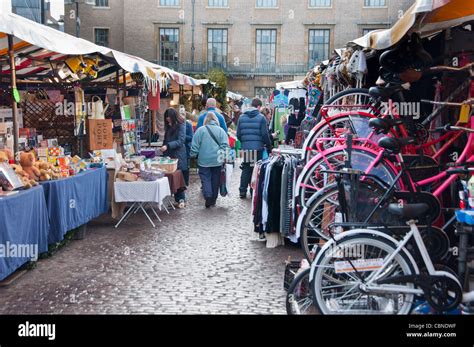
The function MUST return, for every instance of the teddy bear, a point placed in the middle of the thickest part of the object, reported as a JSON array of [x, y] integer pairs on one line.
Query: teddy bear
[[4, 157], [48, 171], [27, 162], [25, 178]]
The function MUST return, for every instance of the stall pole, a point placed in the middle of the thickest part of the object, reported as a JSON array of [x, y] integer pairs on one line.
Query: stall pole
[[11, 54]]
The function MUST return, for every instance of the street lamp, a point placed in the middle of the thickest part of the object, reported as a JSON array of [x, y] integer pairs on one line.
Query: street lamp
[[75, 13]]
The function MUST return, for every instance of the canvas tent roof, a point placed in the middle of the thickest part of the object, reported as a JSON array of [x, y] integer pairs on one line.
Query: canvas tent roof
[[35, 43], [426, 17]]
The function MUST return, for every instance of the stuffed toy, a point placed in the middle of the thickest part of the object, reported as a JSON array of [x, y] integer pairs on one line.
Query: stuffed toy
[[48, 171], [27, 162], [4, 157], [25, 178]]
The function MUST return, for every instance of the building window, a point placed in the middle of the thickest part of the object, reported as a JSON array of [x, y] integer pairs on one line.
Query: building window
[[266, 48], [264, 93], [101, 37], [169, 2], [318, 45], [217, 47], [365, 31], [30, 9], [218, 3], [169, 47], [266, 3], [375, 3], [319, 3], [102, 3]]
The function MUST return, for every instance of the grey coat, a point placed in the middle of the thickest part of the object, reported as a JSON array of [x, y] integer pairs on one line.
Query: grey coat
[[175, 140]]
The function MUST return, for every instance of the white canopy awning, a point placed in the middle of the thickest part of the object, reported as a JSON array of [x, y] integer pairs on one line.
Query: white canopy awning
[[37, 41], [426, 17], [291, 85]]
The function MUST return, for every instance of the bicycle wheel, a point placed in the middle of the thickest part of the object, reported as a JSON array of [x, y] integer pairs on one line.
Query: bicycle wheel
[[346, 99], [314, 222], [339, 292], [298, 297], [356, 123], [312, 179]]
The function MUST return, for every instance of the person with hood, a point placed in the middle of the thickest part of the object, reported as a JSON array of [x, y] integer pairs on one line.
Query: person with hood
[[253, 134], [210, 145], [174, 146]]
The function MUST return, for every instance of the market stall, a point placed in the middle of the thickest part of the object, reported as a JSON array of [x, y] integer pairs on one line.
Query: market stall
[[24, 226], [70, 111], [75, 201]]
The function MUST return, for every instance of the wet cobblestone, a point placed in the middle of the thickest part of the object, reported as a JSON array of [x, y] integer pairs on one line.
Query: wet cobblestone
[[196, 261]]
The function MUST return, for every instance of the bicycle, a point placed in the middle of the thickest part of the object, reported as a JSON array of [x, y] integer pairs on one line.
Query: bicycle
[[364, 105], [381, 273]]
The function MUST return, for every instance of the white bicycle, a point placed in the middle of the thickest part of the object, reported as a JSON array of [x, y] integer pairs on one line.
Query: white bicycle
[[366, 271]]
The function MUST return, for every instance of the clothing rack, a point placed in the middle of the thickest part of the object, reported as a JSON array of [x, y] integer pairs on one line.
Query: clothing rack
[[289, 151]]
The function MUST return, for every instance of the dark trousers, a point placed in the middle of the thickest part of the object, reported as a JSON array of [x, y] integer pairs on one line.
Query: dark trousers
[[246, 177], [186, 176], [211, 180], [247, 170]]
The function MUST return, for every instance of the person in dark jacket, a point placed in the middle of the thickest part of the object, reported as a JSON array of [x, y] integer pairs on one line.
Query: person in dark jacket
[[189, 141], [174, 146], [252, 132]]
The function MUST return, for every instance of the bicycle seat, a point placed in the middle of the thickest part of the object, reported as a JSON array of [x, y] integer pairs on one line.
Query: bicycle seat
[[408, 211], [393, 144], [383, 125], [384, 93]]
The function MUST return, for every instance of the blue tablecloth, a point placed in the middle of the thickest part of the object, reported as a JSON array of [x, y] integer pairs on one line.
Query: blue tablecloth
[[74, 201], [24, 225]]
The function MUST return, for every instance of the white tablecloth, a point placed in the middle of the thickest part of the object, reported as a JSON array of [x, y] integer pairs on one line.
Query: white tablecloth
[[141, 191]]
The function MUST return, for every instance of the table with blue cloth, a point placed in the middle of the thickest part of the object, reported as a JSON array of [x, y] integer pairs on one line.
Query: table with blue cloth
[[74, 201], [24, 227]]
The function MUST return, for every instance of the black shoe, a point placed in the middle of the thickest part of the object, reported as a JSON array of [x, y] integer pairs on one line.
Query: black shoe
[[243, 195], [208, 203]]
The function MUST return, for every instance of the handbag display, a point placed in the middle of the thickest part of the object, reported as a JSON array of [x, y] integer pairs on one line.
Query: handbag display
[[97, 111]]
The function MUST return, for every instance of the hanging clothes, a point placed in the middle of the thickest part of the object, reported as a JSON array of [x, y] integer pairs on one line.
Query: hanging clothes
[[274, 195]]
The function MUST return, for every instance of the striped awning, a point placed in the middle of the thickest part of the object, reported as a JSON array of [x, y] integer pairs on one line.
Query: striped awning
[[38, 49], [426, 17]]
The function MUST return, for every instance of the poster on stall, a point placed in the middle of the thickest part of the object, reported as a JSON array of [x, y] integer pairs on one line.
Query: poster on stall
[[100, 134], [80, 126]]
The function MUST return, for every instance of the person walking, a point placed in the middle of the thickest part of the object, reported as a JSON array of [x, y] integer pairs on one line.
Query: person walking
[[252, 132], [174, 146], [210, 145], [211, 106], [189, 140], [267, 113]]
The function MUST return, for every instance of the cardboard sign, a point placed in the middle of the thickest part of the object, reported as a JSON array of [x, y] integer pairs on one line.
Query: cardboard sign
[[100, 134]]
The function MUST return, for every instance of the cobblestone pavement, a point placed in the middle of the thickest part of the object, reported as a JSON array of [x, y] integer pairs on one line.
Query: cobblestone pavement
[[196, 261]]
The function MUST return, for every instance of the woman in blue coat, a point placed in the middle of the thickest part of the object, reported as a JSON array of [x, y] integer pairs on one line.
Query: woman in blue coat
[[174, 146]]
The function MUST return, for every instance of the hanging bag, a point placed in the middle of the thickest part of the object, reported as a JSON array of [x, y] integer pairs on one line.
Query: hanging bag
[[97, 108]]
